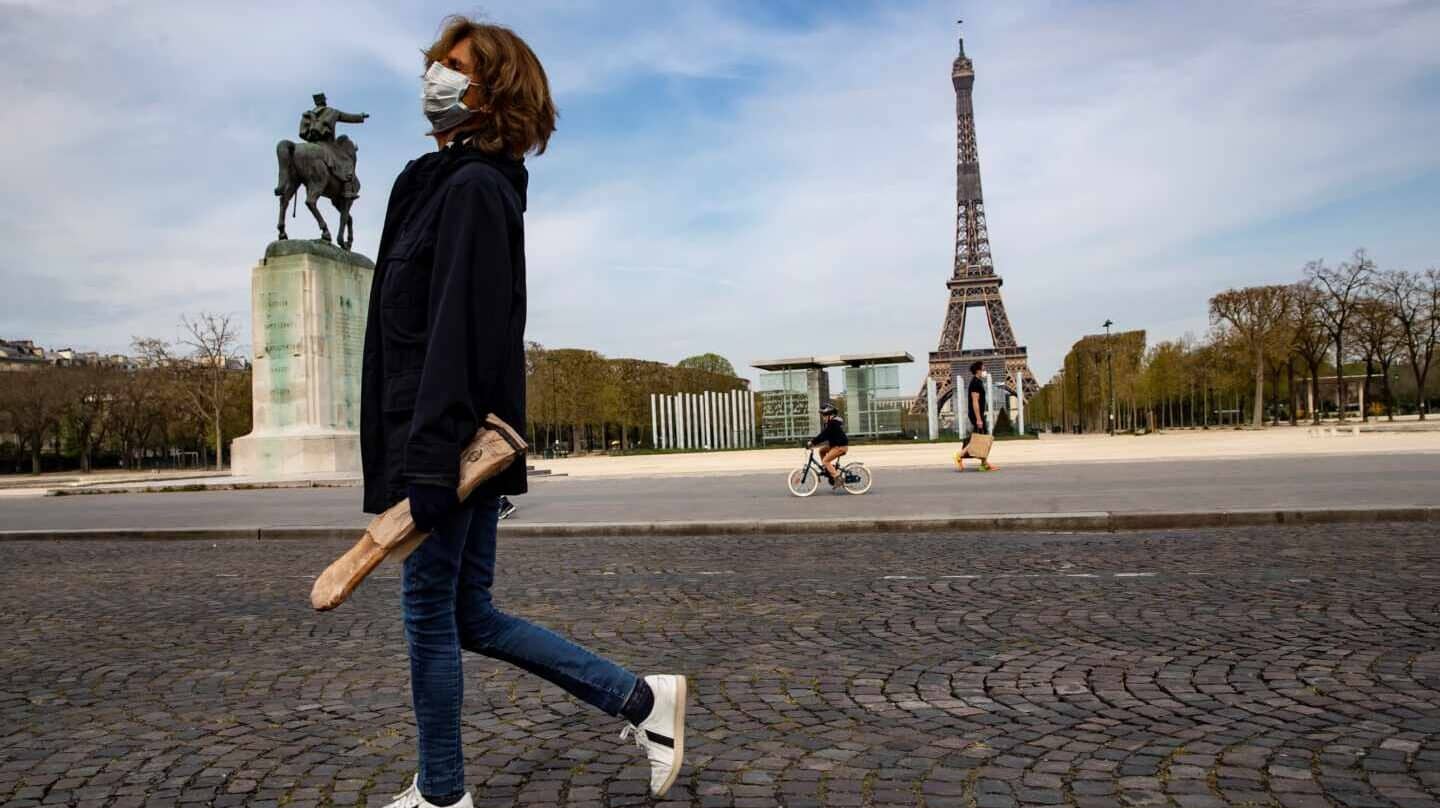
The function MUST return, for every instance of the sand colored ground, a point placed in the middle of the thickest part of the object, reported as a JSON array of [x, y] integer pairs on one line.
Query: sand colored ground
[[1050, 449], [1179, 445]]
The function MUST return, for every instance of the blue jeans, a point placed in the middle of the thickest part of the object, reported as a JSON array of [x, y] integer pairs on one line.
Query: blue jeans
[[447, 605]]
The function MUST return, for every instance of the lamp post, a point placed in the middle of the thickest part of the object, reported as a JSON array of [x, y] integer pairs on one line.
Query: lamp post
[[1110, 370]]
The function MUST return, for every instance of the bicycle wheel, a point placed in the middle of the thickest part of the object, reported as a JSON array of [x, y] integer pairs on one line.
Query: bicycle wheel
[[857, 478], [802, 484]]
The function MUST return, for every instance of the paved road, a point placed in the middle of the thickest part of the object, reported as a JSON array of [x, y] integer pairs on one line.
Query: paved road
[[1279, 666], [1385, 480]]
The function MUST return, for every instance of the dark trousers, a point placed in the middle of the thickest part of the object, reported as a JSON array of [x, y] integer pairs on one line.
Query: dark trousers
[[447, 607]]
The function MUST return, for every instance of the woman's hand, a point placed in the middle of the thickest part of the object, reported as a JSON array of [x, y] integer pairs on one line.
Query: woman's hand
[[430, 504]]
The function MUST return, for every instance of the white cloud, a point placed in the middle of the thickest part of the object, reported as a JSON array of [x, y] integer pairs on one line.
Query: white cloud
[[804, 206]]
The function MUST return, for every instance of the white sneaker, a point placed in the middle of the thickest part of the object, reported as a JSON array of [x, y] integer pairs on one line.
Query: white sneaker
[[410, 798], [662, 735]]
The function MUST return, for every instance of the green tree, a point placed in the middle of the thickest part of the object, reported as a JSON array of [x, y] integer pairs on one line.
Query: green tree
[[708, 362], [1255, 314]]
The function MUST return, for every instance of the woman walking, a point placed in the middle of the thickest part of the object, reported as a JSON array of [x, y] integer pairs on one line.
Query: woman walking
[[444, 346]]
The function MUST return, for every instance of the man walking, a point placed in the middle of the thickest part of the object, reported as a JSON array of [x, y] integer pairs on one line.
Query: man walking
[[977, 408]]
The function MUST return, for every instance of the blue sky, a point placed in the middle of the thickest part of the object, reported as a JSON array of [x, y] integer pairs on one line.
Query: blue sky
[[754, 178]]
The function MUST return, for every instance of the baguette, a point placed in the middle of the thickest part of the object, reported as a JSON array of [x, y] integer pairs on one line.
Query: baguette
[[393, 533]]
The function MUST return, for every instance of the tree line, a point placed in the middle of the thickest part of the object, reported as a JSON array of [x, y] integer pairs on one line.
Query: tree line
[[173, 404], [580, 400], [1271, 351], [167, 404]]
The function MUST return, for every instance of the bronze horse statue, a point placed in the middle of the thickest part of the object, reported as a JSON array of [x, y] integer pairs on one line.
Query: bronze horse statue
[[308, 165]]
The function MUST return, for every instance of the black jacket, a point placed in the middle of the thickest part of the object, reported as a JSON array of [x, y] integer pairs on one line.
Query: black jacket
[[977, 387], [832, 434], [445, 339]]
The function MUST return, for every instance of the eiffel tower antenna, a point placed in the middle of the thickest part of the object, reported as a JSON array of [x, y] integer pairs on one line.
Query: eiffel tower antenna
[[973, 282]]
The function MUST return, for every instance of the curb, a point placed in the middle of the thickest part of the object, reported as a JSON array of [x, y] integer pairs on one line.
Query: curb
[[181, 487], [1085, 522]]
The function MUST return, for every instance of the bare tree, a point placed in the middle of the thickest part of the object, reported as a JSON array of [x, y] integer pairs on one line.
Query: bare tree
[[211, 342], [35, 403], [1257, 314], [1340, 289], [138, 410], [1380, 334], [89, 394], [1310, 340], [1416, 300]]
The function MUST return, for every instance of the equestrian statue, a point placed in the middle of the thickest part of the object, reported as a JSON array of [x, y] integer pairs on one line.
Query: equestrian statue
[[324, 165]]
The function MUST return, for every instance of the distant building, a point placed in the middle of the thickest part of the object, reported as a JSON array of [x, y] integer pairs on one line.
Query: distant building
[[792, 390], [24, 354], [21, 354]]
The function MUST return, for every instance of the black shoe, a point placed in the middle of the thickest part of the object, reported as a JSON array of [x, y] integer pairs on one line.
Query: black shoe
[[506, 508]]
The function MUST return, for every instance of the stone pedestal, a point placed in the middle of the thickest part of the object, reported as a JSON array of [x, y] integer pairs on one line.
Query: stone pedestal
[[308, 302]]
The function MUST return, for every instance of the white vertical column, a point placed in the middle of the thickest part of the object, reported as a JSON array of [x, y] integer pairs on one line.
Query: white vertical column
[[962, 409], [751, 439], [729, 406], [735, 419], [730, 410], [664, 421], [740, 408], [682, 435], [688, 406], [932, 409], [706, 400], [990, 404], [654, 425], [1020, 406]]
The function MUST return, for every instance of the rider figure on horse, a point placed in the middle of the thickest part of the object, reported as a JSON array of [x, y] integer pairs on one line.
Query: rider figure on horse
[[318, 126]]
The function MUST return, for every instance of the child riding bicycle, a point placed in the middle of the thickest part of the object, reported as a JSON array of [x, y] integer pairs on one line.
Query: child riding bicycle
[[832, 442]]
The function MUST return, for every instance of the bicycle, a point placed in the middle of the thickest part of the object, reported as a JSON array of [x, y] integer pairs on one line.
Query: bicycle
[[804, 481]]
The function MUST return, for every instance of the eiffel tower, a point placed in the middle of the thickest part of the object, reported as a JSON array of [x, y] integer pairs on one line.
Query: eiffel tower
[[974, 283]]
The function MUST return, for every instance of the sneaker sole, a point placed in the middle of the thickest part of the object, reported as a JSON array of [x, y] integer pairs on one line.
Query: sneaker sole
[[681, 696]]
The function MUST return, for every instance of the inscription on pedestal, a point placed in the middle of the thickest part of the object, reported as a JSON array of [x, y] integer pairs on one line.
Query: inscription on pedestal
[[308, 321], [279, 301]]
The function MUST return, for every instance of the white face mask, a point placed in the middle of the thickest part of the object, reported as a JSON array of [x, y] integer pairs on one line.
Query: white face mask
[[441, 97]]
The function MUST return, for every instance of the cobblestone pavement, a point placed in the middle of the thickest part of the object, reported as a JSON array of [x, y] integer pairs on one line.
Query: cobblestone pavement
[[1291, 667]]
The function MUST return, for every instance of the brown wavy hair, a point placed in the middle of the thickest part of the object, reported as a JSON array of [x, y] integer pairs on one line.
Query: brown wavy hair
[[516, 114]]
